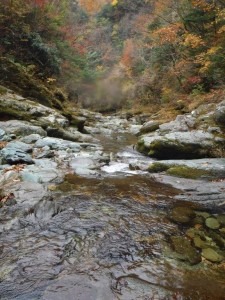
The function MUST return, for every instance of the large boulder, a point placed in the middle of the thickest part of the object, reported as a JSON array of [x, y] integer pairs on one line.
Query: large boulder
[[21, 128], [17, 107], [182, 145]]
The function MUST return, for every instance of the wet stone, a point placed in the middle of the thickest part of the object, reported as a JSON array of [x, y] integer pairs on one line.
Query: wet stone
[[183, 246], [182, 214], [212, 255], [212, 223]]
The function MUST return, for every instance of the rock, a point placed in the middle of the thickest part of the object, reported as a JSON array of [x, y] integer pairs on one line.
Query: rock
[[40, 174], [17, 107], [182, 214], [183, 247], [15, 156], [28, 193], [83, 166], [63, 134], [149, 127], [21, 128], [195, 168], [45, 152], [17, 145], [212, 223], [212, 255], [180, 124], [57, 144], [219, 114], [221, 219], [2, 133], [181, 145], [30, 139], [203, 214]]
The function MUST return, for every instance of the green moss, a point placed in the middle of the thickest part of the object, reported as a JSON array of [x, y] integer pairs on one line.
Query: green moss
[[3, 90], [8, 113], [157, 167], [141, 147], [187, 172]]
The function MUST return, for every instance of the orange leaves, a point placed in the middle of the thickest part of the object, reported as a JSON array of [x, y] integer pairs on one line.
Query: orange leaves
[[204, 5], [193, 41], [3, 144], [166, 34], [92, 6], [7, 197], [128, 53]]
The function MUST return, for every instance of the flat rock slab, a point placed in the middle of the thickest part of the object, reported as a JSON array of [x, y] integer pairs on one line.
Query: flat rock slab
[[78, 287], [28, 193], [57, 144], [207, 193], [214, 165], [21, 128], [39, 174], [15, 156]]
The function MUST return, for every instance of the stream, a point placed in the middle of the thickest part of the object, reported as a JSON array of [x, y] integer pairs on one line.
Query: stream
[[106, 235]]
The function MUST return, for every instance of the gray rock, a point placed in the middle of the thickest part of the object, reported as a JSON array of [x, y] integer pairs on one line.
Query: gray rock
[[219, 114], [15, 156], [181, 123], [22, 108], [44, 152], [28, 193], [21, 128], [2, 133], [57, 144], [149, 127], [40, 174], [17, 145], [215, 166], [30, 139], [181, 145]]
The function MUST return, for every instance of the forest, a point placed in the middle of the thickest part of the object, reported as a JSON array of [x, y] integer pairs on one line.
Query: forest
[[127, 53], [112, 149]]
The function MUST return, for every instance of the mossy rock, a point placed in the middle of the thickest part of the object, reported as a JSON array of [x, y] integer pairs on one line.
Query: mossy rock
[[212, 255], [212, 223], [187, 172], [142, 148], [3, 90], [182, 214], [158, 167], [15, 77], [183, 246]]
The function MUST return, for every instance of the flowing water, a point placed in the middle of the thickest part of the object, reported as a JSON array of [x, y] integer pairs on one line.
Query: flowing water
[[104, 237]]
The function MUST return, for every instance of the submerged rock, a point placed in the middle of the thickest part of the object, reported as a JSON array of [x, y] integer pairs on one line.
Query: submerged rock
[[212, 255], [187, 252], [212, 223], [182, 214]]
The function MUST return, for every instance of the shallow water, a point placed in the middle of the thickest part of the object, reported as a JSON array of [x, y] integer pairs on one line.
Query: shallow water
[[103, 238]]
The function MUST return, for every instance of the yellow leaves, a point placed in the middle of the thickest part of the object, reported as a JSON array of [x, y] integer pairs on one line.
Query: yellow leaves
[[167, 34], [114, 2], [203, 4], [51, 80], [221, 30], [193, 41]]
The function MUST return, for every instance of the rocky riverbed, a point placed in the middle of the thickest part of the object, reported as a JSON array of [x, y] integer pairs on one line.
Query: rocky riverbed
[[84, 215]]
